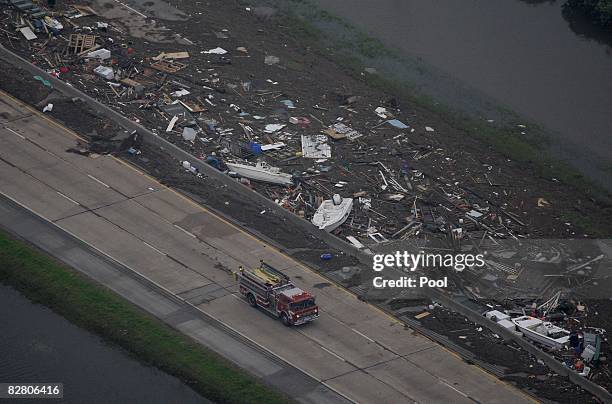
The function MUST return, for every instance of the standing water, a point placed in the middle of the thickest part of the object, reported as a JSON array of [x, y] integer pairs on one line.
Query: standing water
[[38, 345], [523, 53]]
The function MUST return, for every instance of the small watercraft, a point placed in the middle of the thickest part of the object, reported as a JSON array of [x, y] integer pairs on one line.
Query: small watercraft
[[332, 213], [262, 171], [541, 331]]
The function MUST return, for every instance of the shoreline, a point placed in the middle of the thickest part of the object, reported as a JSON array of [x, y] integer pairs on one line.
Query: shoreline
[[43, 280], [355, 51], [168, 170], [404, 75], [505, 147]]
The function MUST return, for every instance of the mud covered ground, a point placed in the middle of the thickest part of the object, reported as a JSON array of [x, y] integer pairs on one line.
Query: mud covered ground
[[74, 114], [510, 363], [507, 360], [309, 79], [446, 166]]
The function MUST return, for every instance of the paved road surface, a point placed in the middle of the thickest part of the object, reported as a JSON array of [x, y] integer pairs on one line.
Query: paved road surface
[[353, 349], [163, 305]]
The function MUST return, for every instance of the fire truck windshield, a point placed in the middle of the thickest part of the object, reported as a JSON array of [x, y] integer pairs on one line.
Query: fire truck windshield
[[304, 304]]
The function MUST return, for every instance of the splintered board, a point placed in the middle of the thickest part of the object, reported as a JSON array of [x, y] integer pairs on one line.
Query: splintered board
[[84, 10], [78, 43], [168, 66]]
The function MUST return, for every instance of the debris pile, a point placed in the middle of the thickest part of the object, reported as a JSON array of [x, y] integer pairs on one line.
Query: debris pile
[[404, 182], [242, 111], [564, 327], [366, 169], [237, 107], [505, 358]]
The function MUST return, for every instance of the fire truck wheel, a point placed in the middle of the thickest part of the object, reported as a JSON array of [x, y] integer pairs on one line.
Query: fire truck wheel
[[252, 300], [285, 320]]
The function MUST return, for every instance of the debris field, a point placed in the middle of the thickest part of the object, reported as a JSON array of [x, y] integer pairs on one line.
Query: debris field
[[242, 95]]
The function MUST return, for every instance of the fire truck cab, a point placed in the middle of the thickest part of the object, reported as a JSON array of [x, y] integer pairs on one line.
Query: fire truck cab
[[273, 291]]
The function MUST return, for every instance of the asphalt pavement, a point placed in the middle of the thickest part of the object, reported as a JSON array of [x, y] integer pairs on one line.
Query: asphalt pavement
[[174, 258]]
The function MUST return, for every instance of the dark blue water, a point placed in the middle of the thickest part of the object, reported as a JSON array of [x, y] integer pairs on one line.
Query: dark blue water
[[37, 345]]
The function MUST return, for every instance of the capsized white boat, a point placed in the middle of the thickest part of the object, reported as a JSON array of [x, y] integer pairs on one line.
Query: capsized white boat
[[262, 171], [541, 331], [332, 213]]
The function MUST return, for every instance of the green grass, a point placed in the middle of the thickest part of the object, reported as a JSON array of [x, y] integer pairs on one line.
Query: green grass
[[99, 310]]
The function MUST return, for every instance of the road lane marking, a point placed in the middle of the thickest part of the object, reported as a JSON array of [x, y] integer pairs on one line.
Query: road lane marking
[[333, 353], [241, 230], [379, 310], [168, 291], [363, 335], [42, 116], [153, 248], [185, 231], [97, 180], [70, 199], [454, 388], [16, 133]]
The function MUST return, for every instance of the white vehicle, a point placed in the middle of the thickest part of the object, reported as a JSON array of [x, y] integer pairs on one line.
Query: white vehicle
[[332, 213], [541, 331]]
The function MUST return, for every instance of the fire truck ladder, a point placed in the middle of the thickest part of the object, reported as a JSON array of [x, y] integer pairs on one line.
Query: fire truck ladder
[[270, 275]]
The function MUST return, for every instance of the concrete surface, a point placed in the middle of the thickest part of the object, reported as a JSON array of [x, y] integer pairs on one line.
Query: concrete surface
[[163, 305], [353, 349]]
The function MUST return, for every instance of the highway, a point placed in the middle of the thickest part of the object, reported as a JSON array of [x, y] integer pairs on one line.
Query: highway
[[173, 258]]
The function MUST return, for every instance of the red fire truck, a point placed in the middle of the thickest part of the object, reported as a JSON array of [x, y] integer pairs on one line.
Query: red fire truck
[[272, 290]]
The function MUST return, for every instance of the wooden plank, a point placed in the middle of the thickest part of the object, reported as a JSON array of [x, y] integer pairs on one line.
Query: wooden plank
[[168, 66], [172, 55]]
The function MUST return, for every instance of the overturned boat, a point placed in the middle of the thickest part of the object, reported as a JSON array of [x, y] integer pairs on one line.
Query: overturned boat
[[332, 213], [262, 171], [541, 331]]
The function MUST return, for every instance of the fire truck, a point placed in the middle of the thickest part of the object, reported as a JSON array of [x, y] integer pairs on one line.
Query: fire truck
[[272, 290]]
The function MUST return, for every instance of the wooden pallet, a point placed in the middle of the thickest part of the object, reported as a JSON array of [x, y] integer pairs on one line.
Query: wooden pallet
[[168, 66], [78, 43]]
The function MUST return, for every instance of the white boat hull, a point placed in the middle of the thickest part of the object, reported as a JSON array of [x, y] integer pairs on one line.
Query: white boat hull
[[329, 216], [555, 343], [259, 174]]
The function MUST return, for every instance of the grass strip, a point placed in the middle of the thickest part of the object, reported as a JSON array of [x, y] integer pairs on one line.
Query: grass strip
[[44, 280]]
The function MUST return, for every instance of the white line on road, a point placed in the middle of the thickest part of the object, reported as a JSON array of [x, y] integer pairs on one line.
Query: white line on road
[[454, 388], [70, 199], [153, 248], [16, 133], [363, 335], [332, 353], [97, 180], [242, 335], [185, 231]]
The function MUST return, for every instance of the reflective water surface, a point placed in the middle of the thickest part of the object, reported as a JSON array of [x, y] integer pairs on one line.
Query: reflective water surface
[[549, 68], [37, 345]]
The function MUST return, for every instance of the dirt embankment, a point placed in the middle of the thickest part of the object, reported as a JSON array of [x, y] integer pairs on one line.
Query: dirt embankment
[[268, 76]]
